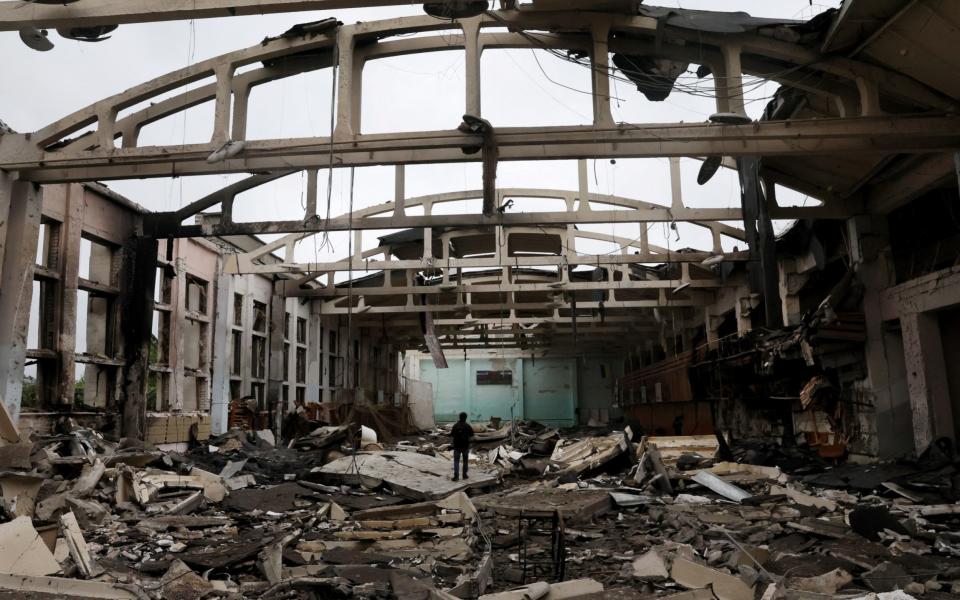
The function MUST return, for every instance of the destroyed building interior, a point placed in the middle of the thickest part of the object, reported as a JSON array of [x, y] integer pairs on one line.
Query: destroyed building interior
[[692, 272]]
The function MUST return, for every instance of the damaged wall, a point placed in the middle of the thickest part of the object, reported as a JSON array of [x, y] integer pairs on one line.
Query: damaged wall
[[210, 333]]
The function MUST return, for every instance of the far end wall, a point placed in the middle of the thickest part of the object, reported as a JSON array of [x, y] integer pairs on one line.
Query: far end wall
[[559, 392]]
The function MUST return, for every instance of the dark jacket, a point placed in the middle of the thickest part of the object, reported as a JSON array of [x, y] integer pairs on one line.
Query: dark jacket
[[461, 433]]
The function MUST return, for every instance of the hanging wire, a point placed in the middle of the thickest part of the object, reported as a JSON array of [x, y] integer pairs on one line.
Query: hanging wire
[[658, 83], [350, 358]]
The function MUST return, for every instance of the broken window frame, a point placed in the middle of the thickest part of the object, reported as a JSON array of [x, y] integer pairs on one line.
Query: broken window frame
[[259, 320], [102, 286]]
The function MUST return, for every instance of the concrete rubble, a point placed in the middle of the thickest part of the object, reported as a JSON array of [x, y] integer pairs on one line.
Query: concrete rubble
[[321, 518]]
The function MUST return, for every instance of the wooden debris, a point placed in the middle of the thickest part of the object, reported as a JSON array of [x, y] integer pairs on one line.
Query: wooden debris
[[78, 547]]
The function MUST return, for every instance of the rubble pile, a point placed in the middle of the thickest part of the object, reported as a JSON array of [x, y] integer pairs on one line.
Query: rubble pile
[[237, 517], [545, 514], [682, 525]]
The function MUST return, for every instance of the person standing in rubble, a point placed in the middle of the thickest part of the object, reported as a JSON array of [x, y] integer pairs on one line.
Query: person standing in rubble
[[461, 433]]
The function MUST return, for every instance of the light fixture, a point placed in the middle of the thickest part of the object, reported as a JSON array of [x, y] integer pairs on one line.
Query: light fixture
[[455, 9], [683, 285], [713, 260], [708, 169], [36, 39]]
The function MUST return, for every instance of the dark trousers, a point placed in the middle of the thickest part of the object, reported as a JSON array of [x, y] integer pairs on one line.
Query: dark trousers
[[457, 454]]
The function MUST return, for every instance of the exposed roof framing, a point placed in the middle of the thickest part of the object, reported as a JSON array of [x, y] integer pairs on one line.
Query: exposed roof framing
[[95, 157]]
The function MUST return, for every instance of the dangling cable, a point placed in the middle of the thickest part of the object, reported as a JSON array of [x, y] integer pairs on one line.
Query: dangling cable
[[350, 358]]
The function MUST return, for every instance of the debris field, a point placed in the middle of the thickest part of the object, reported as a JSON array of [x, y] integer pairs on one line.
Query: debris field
[[546, 513]]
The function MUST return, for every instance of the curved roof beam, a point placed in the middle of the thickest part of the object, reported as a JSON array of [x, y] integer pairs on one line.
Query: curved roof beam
[[367, 218], [25, 153]]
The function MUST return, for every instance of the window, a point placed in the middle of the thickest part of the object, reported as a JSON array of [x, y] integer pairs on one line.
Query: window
[[286, 326], [196, 295], [258, 361], [334, 375], [301, 396], [238, 310], [301, 330], [301, 365], [256, 390], [286, 360], [163, 287], [237, 350], [356, 362], [259, 316]]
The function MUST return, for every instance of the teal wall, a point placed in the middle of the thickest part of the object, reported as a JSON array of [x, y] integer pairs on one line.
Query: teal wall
[[544, 390]]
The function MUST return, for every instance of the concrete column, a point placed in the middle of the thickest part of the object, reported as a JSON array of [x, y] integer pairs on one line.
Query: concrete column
[[7, 183], [870, 254], [69, 277], [350, 79], [140, 263], [926, 379], [730, 84], [21, 202], [220, 365], [471, 37], [791, 283], [275, 374], [600, 61], [221, 117], [96, 391], [178, 324], [314, 354], [743, 309], [712, 328]]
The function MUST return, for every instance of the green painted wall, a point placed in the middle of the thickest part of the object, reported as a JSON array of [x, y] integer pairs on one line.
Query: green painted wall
[[544, 390]]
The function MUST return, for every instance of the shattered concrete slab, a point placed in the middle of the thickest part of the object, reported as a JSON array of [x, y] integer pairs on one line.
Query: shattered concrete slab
[[412, 475], [693, 575], [22, 550], [62, 587]]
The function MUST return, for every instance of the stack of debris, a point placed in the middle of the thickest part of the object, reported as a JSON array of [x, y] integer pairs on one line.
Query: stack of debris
[[336, 513], [84, 517], [691, 527]]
